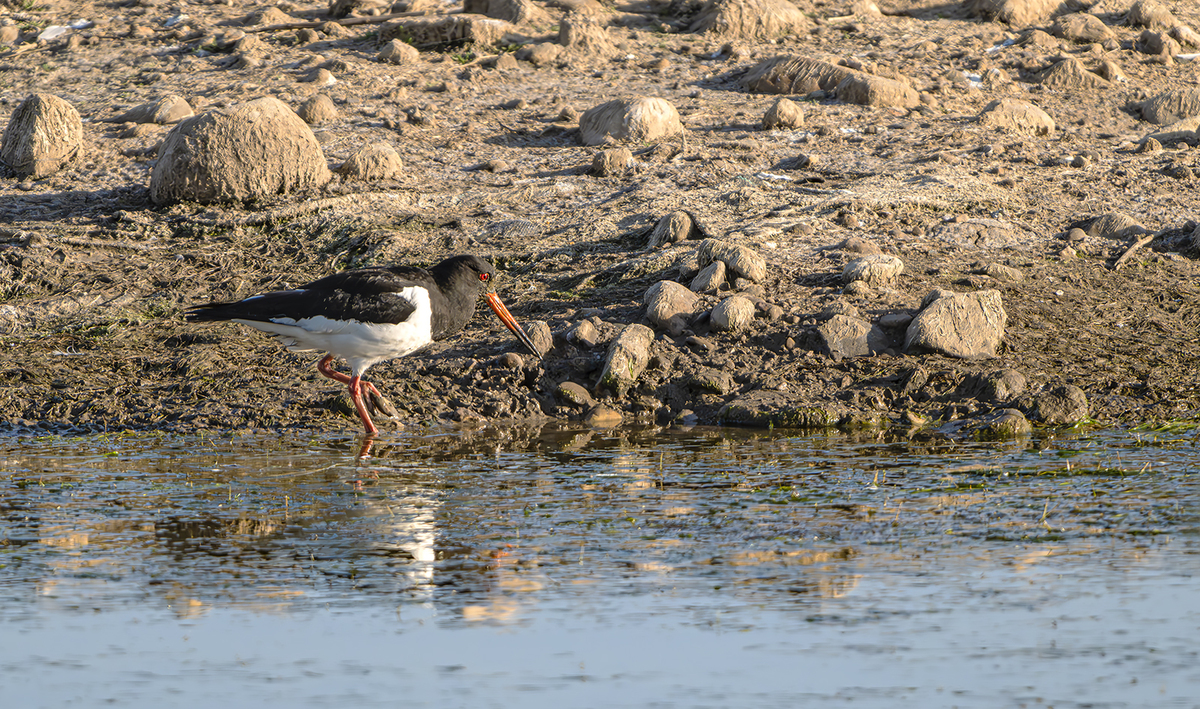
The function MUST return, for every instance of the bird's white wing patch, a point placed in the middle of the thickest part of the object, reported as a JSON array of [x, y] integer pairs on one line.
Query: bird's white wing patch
[[361, 344]]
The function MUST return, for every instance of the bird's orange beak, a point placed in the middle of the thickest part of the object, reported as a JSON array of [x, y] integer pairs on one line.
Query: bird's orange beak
[[510, 322]]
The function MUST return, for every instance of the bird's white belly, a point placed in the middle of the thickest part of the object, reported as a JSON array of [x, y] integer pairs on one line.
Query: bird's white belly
[[361, 344]]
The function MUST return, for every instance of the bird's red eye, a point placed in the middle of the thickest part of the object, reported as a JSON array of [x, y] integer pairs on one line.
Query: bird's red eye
[[484, 277]]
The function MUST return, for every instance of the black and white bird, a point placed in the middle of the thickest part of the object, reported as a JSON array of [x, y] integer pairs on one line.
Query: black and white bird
[[369, 315]]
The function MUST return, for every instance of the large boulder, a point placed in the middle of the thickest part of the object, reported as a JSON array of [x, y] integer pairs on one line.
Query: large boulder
[[639, 119], [801, 75], [968, 325], [1020, 13], [251, 151], [751, 19], [43, 136], [847, 336], [1171, 106], [626, 360], [670, 305]]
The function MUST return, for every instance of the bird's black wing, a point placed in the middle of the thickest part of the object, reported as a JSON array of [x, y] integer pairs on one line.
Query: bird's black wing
[[366, 295]]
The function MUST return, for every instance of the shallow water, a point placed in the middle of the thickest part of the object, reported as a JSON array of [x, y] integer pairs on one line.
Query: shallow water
[[702, 568]]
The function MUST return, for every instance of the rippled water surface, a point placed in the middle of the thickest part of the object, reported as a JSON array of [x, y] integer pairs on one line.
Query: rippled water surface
[[565, 568]]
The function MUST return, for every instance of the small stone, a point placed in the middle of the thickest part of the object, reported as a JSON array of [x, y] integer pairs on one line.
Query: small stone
[[783, 114], [614, 161], [732, 314], [584, 334], [573, 394], [317, 109], [875, 270], [710, 279], [397, 52], [602, 416], [511, 360]]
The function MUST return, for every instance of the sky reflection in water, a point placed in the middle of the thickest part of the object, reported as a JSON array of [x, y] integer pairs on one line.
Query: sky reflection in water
[[570, 568]]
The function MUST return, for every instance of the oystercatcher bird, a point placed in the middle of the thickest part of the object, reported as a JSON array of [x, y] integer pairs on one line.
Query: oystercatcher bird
[[369, 315]]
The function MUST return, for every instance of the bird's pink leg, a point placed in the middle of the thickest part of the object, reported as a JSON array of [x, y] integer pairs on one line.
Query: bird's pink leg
[[324, 368], [356, 387]]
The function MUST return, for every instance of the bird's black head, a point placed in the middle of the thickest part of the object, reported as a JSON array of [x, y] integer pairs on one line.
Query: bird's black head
[[468, 272]]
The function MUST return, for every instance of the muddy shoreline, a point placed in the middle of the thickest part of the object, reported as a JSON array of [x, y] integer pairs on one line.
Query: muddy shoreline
[[95, 277]]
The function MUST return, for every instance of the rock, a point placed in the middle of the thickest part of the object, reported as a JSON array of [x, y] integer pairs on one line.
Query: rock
[[442, 30], [732, 314], [1171, 106], [858, 245], [375, 161], [584, 334], [1017, 116], [511, 360], [573, 394], [1000, 272], [1005, 423], [251, 151], [9, 34], [750, 19], [613, 161], [1150, 13], [626, 359], [1082, 27], [1157, 43], [1061, 406], [540, 335], [1111, 71], [1185, 35], [1187, 129], [171, 108], [711, 381], [320, 77], [673, 228], [1018, 13], [670, 305], [895, 321], [742, 260], [602, 417], [317, 109], [710, 279], [763, 408], [870, 90], [542, 54], [876, 269], [44, 134], [585, 34], [515, 11], [843, 336], [794, 75], [783, 114], [967, 325], [397, 52], [839, 307], [638, 120], [1070, 74], [1002, 386], [1115, 225], [979, 233]]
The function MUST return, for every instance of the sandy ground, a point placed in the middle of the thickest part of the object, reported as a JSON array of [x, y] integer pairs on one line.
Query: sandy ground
[[95, 277]]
